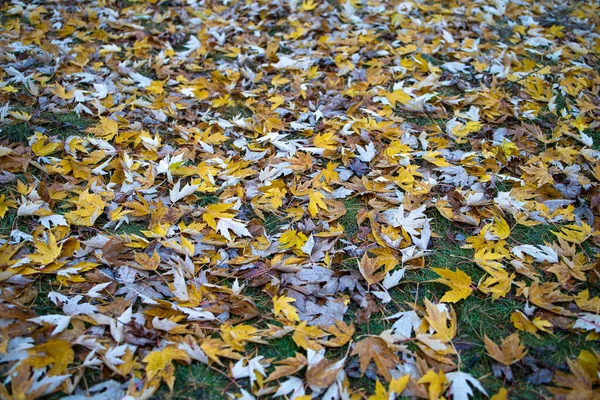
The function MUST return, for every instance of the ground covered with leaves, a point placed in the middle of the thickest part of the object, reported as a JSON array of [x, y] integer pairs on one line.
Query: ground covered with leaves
[[298, 200]]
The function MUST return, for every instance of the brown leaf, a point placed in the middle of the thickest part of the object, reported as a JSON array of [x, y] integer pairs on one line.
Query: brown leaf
[[374, 348]]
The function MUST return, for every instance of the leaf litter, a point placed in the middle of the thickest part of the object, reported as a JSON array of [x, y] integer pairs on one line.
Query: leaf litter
[[188, 182]]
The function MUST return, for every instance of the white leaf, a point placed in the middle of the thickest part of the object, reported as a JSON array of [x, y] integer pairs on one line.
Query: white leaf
[[410, 223], [423, 241], [54, 220], [588, 322], [308, 246], [113, 354], [61, 322], [179, 287], [455, 67], [366, 154], [193, 351], [447, 36], [293, 385], [392, 280], [384, 296], [29, 207], [177, 193], [72, 307], [164, 324], [239, 370], [93, 292], [540, 253], [48, 384], [408, 321], [117, 325], [226, 224], [459, 385]]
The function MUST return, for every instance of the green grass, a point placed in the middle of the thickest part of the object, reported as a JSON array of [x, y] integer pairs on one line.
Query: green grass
[[238, 110], [539, 234], [61, 125], [65, 124], [273, 223], [6, 223], [207, 200], [278, 349], [42, 305], [16, 133], [132, 228], [348, 220]]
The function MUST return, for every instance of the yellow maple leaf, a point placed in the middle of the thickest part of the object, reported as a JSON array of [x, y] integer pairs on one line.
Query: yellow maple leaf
[[575, 233], [57, 353], [500, 228], [160, 363], [89, 208], [458, 281], [326, 141], [398, 96], [501, 395], [5, 204], [315, 202], [438, 320], [214, 211], [292, 239], [305, 336], [46, 253], [436, 158], [437, 383], [309, 5], [215, 348], [237, 336], [107, 129], [42, 148], [282, 305]]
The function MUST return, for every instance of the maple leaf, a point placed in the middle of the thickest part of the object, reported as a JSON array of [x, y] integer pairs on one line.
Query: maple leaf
[[460, 385], [178, 192], [57, 353], [396, 388], [437, 383], [342, 333], [214, 211], [160, 363], [444, 330], [306, 336], [577, 385], [398, 96], [89, 208], [251, 369], [508, 352], [574, 233], [458, 281], [215, 348], [281, 305], [368, 268], [374, 348], [522, 323], [107, 129], [229, 224], [316, 202], [287, 367], [588, 322], [46, 253]]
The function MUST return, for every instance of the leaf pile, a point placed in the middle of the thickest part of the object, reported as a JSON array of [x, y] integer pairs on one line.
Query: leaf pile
[[197, 182]]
